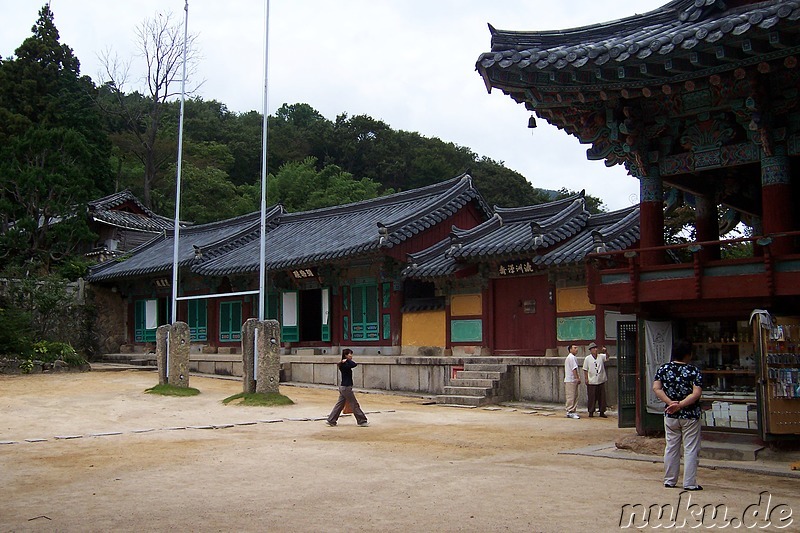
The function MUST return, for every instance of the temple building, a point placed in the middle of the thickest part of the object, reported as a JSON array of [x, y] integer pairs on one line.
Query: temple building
[[420, 284], [122, 223], [699, 101]]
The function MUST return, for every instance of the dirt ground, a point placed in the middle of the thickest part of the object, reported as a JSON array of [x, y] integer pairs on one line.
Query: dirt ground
[[114, 458]]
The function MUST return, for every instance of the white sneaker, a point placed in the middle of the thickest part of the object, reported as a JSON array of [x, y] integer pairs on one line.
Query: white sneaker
[[573, 415], [364, 424]]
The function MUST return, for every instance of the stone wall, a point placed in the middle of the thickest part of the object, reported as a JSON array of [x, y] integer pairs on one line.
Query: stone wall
[[110, 322], [536, 379], [15, 366]]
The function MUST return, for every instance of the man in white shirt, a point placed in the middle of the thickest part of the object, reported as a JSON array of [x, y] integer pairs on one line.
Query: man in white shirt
[[594, 369], [572, 379]]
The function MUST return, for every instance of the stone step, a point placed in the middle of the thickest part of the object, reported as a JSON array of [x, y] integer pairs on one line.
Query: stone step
[[487, 367], [457, 382], [478, 374], [730, 451], [139, 359], [454, 399], [468, 391]]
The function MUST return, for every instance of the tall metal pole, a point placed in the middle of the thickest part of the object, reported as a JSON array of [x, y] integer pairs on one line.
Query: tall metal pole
[[174, 316], [262, 268]]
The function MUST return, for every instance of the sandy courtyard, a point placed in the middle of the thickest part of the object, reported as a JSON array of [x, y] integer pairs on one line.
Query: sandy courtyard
[[114, 458]]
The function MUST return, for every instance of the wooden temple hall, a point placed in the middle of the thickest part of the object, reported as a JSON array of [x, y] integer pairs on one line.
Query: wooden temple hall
[[699, 100]]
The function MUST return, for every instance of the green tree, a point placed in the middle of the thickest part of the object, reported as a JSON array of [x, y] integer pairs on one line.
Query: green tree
[[208, 195], [299, 186], [593, 204], [54, 154], [298, 131], [503, 187]]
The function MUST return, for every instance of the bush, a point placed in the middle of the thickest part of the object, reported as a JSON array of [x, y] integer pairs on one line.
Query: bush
[[49, 352], [42, 308], [15, 334]]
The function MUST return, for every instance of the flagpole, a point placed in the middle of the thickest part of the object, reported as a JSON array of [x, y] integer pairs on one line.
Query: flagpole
[[174, 315], [262, 268]]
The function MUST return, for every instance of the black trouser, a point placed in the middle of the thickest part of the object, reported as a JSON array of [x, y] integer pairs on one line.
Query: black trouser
[[596, 394]]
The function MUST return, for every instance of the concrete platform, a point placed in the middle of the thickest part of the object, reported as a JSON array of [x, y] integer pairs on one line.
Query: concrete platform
[[774, 465]]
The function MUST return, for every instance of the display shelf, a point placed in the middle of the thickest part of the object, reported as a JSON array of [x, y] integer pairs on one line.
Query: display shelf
[[725, 398], [730, 372]]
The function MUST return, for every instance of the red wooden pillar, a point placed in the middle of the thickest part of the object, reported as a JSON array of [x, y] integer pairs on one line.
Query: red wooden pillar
[[776, 202], [651, 216]]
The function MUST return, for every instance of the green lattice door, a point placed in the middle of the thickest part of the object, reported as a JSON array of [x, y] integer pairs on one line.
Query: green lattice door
[[364, 315]]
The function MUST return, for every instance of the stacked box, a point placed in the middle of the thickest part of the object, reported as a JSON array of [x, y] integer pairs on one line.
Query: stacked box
[[738, 413], [752, 417], [721, 411]]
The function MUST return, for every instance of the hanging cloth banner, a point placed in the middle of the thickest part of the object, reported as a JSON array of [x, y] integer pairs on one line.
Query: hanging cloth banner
[[151, 314], [658, 347]]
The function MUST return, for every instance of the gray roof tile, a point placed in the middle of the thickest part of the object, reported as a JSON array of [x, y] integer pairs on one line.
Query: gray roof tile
[[677, 26], [301, 239], [156, 255], [554, 233], [143, 219], [362, 228]]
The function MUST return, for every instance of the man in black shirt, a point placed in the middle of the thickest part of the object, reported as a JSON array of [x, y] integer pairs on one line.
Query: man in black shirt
[[346, 395]]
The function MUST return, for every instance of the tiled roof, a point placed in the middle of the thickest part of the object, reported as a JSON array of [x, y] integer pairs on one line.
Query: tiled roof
[[105, 210], [156, 255], [554, 233], [336, 233], [301, 239], [677, 28]]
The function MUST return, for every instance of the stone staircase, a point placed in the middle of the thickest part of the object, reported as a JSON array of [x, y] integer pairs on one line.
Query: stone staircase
[[478, 384], [135, 359]]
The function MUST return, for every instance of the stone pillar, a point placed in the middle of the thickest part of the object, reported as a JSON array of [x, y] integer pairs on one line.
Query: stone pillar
[[651, 216], [261, 342], [269, 357], [179, 344], [172, 354], [249, 355], [161, 353], [706, 226], [776, 200]]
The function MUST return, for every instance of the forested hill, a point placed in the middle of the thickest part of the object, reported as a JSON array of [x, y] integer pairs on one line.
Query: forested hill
[[312, 162], [65, 141]]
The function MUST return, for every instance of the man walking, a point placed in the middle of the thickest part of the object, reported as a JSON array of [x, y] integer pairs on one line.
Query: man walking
[[572, 380], [594, 369], [346, 395], [679, 385]]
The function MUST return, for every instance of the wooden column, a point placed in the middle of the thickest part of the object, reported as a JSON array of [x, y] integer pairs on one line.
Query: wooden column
[[706, 227], [651, 216], [776, 201]]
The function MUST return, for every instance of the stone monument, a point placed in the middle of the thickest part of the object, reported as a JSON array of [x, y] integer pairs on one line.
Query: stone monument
[[261, 360], [172, 354]]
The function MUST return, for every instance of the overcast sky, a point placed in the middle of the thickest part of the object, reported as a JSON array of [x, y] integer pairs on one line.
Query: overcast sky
[[409, 63]]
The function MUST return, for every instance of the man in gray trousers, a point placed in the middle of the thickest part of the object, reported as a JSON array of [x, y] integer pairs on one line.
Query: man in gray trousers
[[679, 385]]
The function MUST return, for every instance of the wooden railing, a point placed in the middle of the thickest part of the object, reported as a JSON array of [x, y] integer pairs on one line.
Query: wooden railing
[[622, 277]]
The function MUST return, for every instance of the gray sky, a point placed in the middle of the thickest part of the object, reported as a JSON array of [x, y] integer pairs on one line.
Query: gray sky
[[409, 63]]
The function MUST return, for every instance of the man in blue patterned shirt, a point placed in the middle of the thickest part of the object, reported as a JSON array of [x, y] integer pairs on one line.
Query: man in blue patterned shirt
[[679, 385]]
